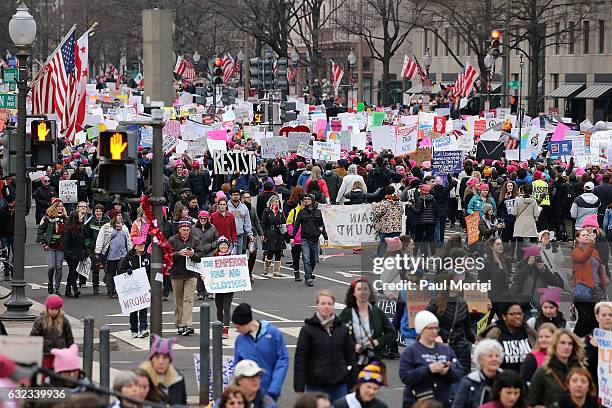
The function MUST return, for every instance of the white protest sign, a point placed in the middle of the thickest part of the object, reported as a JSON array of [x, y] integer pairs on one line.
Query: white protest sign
[[192, 266], [444, 143], [220, 145], [349, 228], [344, 138], [502, 113], [23, 349], [578, 147], [273, 147], [465, 142], [196, 148], [168, 143], [328, 151], [223, 274], [383, 137], [242, 161], [227, 369], [181, 147], [68, 191], [194, 130], [585, 126], [295, 138], [305, 150], [133, 290], [406, 140], [359, 140], [604, 365], [84, 268]]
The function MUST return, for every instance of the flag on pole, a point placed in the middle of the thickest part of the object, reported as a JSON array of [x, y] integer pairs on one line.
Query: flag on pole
[[229, 68], [465, 81], [409, 69], [81, 76], [111, 71], [336, 76], [184, 68], [422, 74], [54, 89]]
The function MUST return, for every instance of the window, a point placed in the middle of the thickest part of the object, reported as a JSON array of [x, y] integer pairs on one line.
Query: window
[[601, 36], [555, 84], [585, 36], [424, 39], [436, 42], [557, 38], [572, 37], [446, 40]]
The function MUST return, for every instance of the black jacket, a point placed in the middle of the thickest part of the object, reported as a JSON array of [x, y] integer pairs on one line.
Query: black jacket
[[358, 196], [7, 223], [132, 261], [604, 193], [199, 183], [271, 226], [425, 208], [74, 245], [380, 177], [322, 358], [43, 196], [441, 195], [262, 202], [310, 220]]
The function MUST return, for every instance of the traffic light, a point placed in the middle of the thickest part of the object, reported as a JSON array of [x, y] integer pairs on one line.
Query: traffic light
[[255, 73], [218, 72], [268, 74], [288, 111], [44, 142], [495, 49], [117, 172], [281, 73], [228, 96]]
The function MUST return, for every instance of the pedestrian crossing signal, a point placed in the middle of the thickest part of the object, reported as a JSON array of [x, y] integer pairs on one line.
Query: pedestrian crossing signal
[[43, 132], [117, 145]]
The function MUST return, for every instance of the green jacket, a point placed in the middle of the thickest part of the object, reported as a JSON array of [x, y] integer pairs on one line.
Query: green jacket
[[44, 230], [383, 331], [544, 388]]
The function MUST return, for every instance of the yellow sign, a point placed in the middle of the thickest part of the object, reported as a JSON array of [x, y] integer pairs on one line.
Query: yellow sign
[[42, 131], [482, 323], [117, 146]]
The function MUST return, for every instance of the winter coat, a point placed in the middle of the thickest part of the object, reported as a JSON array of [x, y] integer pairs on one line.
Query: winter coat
[[381, 327], [179, 268], [309, 222], [323, 358], [262, 202], [320, 190], [424, 205], [358, 196], [133, 261], [477, 202], [584, 205], [462, 337], [333, 181], [105, 235], [380, 177], [499, 278], [302, 178], [271, 224], [527, 212], [83, 182], [604, 193], [74, 245], [42, 197], [207, 237], [172, 385], [176, 184], [347, 185], [583, 267], [225, 225], [473, 391], [529, 278], [52, 339], [199, 183], [290, 219], [269, 351], [544, 388], [7, 223], [441, 196], [415, 374], [344, 402], [488, 228], [388, 214], [93, 225]]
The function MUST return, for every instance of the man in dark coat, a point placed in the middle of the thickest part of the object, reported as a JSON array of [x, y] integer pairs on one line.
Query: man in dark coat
[[42, 197]]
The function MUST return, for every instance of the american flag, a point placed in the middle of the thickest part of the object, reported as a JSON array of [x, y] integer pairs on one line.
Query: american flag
[[336, 76], [111, 71], [184, 68], [54, 90], [409, 69], [229, 68], [464, 82]]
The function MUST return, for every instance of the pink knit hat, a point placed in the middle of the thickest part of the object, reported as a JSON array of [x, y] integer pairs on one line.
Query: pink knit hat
[[427, 164], [590, 221], [219, 195], [161, 346], [54, 302], [551, 295], [139, 240], [529, 251], [579, 172], [66, 359], [472, 181]]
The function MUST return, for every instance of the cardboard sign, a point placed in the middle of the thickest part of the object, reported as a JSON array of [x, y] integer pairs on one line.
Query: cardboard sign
[[422, 154], [328, 151], [23, 349], [472, 221], [223, 274], [445, 162], [241, 161], [68, 191], [477, 300], [273, 147], [133, 290], [295, 138]]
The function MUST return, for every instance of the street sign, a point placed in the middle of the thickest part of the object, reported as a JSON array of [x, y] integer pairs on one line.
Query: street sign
[[514, 84], [10, 75], [8, 100]]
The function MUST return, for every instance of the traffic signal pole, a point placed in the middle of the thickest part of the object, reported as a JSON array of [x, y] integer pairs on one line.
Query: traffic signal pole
[[157, 201], [18, 305]]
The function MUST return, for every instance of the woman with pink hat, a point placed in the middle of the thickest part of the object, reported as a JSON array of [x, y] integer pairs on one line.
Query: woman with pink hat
[[137, 258], [54, 327]]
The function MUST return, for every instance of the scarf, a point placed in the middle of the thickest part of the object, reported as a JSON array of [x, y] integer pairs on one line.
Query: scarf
[[326, 323], [352, 401]]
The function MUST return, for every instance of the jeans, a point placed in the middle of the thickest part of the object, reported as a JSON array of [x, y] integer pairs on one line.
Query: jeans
[[439, 231], [55, 262], [112, 268], [223, 303], [138, 320], [334, 392], [310, 257], [382, 245], [239, 244]]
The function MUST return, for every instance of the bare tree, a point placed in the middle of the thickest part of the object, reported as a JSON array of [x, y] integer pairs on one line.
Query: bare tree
[[384, 26]]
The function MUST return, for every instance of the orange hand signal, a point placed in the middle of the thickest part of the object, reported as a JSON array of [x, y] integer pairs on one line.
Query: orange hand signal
[[117, 146], [42, 131]]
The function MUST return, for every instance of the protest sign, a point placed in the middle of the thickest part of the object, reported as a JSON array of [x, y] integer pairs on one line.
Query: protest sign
[[359, 140], [444, 143], [84, 268], [559, 133], [305, 150], [472, 221], [389, 306], [439, 125], [578, 146], [68, 191], [479, 127], [422, 154], [604, 365], [465, 142], [378, 118], [405, 140], [335, 124], [194, 130], [344, 138], [220, 145], [133, 290], [328, 151], [563, 148], [196, 148], [23, 349], [227, 370], [146, 136], [383, 137], [477, 300], [445, 162], [192, 266], [172, 128], [416, 300], [349, 228], [168, 143], [242, 161], [585, 125], [295, 138], [273, 147], [223, 274], [93, 133]]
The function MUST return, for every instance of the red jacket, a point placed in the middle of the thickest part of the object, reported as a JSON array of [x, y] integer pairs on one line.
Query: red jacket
[[225, 225]]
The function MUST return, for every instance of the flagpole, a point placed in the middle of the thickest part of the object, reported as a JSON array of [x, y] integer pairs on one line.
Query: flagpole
[[52, 54]]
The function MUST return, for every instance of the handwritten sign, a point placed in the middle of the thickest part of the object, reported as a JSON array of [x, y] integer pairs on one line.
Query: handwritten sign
[[604, 365], [405, 140], [305, 150], [295, 138], [241, 161], [172, 128], [471, 222], [273, 147], [446, 162], [329, 151], [227, 368], [68, 191], [349, 228], [133, 290], [439, 125], [224, 274], [422, 154]]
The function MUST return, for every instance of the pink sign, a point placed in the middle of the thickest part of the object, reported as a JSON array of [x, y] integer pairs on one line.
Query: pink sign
[[220, 134], [559, 133], [320, 127]]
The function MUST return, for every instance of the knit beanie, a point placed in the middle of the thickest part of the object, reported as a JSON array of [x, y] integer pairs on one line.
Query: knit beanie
[[161, 346], [423, 319], [66, 359]]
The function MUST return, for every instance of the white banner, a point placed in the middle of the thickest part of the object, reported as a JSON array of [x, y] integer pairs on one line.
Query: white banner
[[224, 274], [133, 290], [349, 227], [68, 191], [273, 147], [242, 161]]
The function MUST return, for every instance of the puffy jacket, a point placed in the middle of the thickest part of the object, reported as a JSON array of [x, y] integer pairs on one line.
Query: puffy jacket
[[52, 339], [477, 202], [473, 391], [290, 219], [323, 358], [382, 329], [388, 215], [358, 196], [172, 384], [425, 208], [269, 351], [303, 178], [133, 261], [347, 185], [271, 225], [310, 220], [584, 205], [207, 237], [199, 183], [319, 189], [43, 196], [583, 267], [334, 181], [604, 193], [176, 184], [179, 268]]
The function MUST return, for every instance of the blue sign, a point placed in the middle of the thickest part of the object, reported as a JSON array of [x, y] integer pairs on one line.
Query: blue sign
[[563, 148], [444, 162], [11, 61]]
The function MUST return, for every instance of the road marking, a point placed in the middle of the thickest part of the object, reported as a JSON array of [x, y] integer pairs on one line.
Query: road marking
[[261, 312], [316, 274]]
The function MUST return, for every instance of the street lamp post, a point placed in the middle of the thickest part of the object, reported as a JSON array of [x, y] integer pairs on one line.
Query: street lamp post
[[489, 61], [520, 107], [22, 29], [196, 59], [352, 60], [240, 58], [427, 62]]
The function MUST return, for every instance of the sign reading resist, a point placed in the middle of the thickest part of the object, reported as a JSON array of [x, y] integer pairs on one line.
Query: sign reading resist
[[233, 161]]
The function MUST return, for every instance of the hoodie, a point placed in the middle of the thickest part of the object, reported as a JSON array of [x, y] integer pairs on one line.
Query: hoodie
[[347, 183], [584, 205], [303, 177]]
